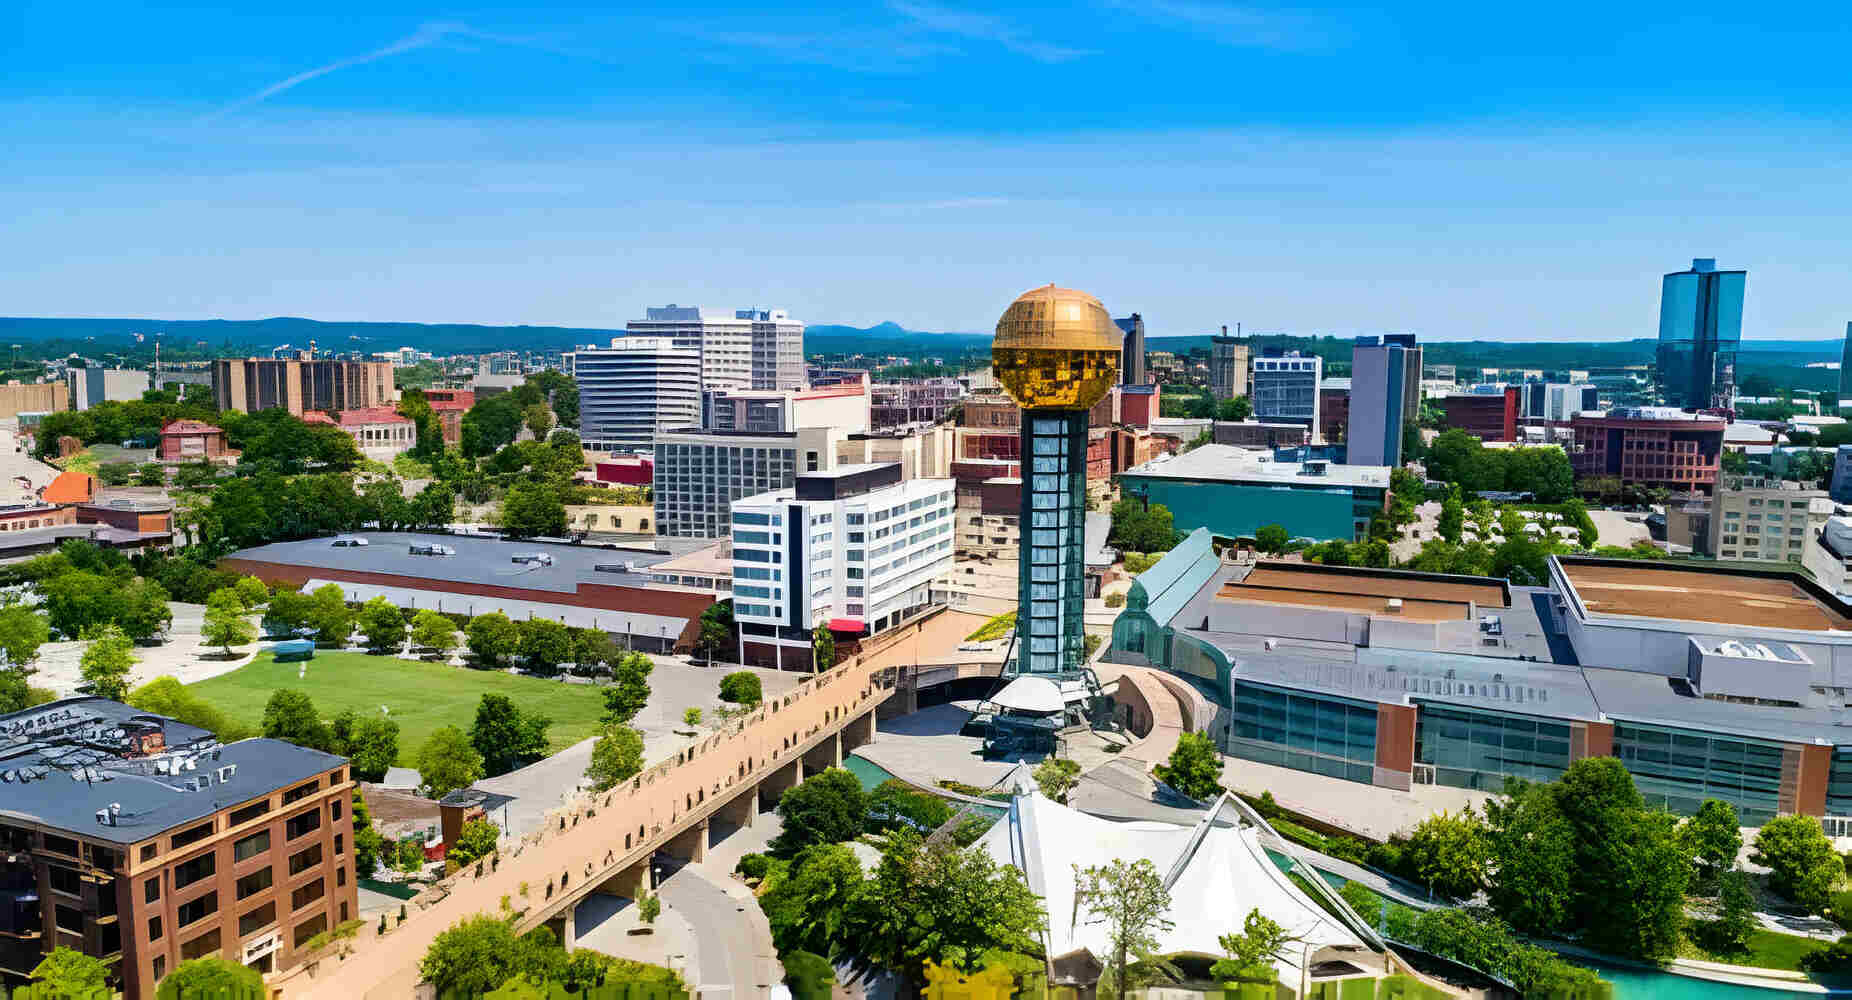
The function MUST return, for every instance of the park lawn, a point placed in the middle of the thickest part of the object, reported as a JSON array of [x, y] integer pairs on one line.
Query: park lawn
[[422, 696], [1767, 950]]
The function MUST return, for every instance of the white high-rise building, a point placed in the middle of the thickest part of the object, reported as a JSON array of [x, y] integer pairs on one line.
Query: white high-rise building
[[740, 349], [633, 389], [853, 549]]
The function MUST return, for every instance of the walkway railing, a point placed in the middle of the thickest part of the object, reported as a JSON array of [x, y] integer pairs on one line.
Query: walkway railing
[[596, 836]]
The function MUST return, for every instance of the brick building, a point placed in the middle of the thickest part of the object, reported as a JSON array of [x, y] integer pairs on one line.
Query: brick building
[[251, 384], [191, 441], [145, 842], [1649, 446], [1486, 416]]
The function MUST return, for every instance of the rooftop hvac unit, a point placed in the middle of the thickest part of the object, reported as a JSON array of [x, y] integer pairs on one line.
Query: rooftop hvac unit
[[225, 773]]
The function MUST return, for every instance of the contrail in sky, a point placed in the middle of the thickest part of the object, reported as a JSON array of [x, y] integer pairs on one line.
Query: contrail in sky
[[426, 35]]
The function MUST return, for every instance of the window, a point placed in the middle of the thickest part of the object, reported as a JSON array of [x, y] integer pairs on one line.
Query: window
[[193, 869], [309, 928], [304, 860], [301, 791], [305, 894], [148, 851], [151, 889], [334, 810], [254, 883], [261, 917], [194, 910], [69, 918], [250, 847], [64, 880], [154, 928], [201, 946], [340, 878], [198, 833], [239, 817], [61, 845], [338, 849], [302, 823]]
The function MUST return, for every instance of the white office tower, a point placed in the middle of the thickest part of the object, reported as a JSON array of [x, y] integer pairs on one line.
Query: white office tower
[[633, 389], [853, 549], [739, 349]]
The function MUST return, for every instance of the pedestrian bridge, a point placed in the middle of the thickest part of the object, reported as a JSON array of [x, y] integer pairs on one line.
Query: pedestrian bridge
[[603, 842]]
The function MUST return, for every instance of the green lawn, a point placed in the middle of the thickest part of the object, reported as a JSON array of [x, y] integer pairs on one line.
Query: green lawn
[[1767, 950], [422, 696]]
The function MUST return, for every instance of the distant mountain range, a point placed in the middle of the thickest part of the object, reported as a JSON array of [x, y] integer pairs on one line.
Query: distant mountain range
[[220, 337]]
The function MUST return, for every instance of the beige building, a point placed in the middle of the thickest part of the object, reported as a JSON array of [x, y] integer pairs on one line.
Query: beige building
[[923, 454], [33, 397], [611, 518], [252, 384], [1765, 520]]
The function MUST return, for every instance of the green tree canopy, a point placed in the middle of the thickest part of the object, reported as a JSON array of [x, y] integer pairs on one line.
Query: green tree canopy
[[1801, 861], [165, 695], [477, 840], [434, 631], [544, 644], [105, 665], [827, 808], [1130, 901], [1714, 837], [1271, 539], [492, 637], [1450, 852], [290, 715], [1194, 768], [210, 977], [71, 973], [448, 761], [383, 624], [811, 908], [617, 756], [225, 624], [507, 737], [943, 905], [742, 687], [629, 690]]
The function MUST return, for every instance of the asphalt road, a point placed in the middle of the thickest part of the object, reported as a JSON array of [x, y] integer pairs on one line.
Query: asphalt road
[[732, 940]]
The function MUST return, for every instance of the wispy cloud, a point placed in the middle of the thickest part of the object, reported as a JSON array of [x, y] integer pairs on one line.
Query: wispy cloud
[[883, 51], [428, 34], [984, 27], [1234, 24]]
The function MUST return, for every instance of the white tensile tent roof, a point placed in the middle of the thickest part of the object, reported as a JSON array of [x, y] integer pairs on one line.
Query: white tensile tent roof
[[1216, 871], [1030, 694]]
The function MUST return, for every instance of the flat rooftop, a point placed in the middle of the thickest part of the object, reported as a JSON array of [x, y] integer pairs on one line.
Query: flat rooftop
[[477, 560], [1228, 463], [63, 762], [1721, 597], [1425, 597]]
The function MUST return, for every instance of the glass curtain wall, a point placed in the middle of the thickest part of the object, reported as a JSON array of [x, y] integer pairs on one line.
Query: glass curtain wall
[[1678, 769], [1322, 734], [1049, 624], [1473, 749]]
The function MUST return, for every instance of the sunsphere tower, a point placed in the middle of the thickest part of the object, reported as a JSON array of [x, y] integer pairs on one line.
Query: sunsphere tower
[[1056, 353]]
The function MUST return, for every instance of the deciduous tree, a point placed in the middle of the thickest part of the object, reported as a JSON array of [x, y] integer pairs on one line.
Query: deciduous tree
[[383, 624], [1714, 838], [545, 644], [617, 756], [1801, 861], [1450, 852], [629, 690], [944, 905], [493, 638], [827, 808], [1195, 769], [1057, 776], [434, 631], [105, 665], [1130, 900], [447, 762], [290, 715], [507, 737], [225, 624]]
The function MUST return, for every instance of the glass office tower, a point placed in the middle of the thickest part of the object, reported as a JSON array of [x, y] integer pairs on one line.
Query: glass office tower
[[1056, 353], [1700, 325]]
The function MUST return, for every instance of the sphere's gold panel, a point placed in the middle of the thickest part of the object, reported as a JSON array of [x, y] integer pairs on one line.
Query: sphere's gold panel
[[1056, 348]]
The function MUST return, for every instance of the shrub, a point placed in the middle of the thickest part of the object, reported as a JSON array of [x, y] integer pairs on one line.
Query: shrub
[[809, 975], [742, 687], [1116, 599], [754, 865]]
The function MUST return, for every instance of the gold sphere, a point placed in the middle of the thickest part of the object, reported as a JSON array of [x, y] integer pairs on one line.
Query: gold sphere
[[1056, 348]]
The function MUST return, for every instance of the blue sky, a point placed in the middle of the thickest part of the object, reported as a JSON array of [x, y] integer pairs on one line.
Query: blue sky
[[1459, 171]]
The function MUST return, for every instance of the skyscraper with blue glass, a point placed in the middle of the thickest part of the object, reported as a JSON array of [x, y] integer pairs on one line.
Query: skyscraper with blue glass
[[1056, 353], [1700, 325]]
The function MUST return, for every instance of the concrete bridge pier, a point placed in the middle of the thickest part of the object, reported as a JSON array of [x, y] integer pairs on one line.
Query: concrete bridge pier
[[632, 883], [741, 810], [858, 733], [690, 845], [824, 755], [774, 785]]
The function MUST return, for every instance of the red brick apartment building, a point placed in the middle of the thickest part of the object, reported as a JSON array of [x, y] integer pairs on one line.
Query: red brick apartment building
[[143, 841]]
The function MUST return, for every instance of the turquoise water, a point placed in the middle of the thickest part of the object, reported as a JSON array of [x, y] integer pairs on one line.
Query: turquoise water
[[873, 774]]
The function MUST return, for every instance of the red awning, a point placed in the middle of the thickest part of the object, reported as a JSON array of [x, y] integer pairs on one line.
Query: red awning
[[846, 625]]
